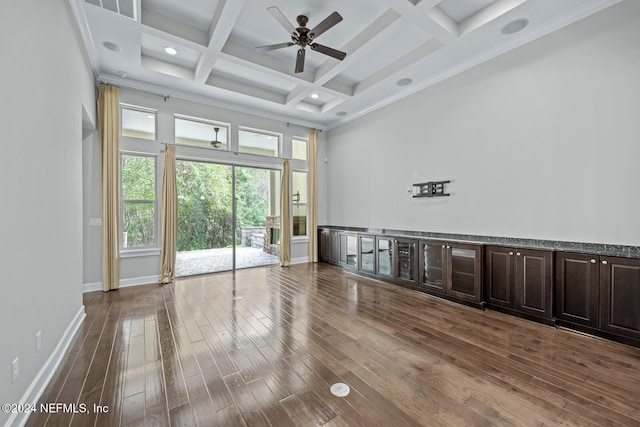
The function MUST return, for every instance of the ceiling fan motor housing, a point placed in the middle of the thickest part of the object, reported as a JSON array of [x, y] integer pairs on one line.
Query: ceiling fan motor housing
[[302, 37]]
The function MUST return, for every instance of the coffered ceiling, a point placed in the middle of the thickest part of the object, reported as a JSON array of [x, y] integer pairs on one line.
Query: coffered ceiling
[[393, 47]]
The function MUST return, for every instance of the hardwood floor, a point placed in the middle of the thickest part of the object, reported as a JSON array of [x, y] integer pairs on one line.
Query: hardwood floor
[[262, 347]]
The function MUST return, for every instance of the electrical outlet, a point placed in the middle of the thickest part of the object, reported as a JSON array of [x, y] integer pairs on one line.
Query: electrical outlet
[[38, 340], [95, 221], [15, 369]]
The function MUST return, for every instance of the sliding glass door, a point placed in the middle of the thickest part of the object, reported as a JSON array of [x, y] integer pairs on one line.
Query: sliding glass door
[[228, 217], [257, 216]]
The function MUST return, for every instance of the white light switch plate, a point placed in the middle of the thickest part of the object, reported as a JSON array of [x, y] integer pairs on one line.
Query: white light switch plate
[[95, 221]]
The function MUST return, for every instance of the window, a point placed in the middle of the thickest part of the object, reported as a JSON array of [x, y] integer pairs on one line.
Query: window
[[299, 205], [299, 149], [138, 201], [138, 123], [201, 133], [258, 142]]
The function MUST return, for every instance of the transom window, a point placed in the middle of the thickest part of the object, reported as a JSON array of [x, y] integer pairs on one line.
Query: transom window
[[201, 133], [300, 149], [138, 123], [258, 142]]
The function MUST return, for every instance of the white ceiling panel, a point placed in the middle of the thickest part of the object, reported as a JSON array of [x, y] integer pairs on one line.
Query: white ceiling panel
[[385, 41]]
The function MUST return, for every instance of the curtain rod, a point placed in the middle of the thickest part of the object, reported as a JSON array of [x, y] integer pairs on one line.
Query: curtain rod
[[289, 124]]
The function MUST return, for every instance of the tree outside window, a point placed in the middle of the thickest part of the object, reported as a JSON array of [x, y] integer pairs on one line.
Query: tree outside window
[[138, 175]]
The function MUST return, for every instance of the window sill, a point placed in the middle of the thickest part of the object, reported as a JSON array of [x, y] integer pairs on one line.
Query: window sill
[[133, 253], [299, 239]]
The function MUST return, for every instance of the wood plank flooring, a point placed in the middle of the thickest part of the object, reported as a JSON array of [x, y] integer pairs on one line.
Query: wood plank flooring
[[262, 347]]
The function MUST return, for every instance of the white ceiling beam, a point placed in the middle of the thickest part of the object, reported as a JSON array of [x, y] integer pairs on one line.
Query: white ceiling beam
[[222, 23], [420, 16]]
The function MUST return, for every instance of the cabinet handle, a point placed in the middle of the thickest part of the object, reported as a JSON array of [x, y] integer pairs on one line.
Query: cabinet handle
[[605, 262], [510, 253], [518, 254], [593, 261]]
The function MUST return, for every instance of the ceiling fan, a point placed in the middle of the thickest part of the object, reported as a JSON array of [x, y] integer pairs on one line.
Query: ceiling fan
[[216, 143], [303, 36]]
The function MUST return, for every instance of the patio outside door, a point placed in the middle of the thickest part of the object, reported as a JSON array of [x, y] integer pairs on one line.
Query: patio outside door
[[214, 233]]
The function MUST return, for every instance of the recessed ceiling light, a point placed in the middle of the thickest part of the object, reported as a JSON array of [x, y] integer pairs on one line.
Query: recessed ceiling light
[[112, 46], [170, 50], [341, 113], [315, 96], [122, 74], [515, 26], [404, 82]]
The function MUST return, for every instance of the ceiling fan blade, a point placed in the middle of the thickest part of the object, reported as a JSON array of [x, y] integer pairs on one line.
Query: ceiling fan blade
[[279, 16], [300, 61], [273, 46], [338, 54], [328, 22]]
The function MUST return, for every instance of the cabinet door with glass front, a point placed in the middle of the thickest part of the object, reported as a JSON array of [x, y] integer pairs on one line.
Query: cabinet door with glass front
[[384, 256], [433, 267], [465, 263], [366, 252], [352, 250], [405, 257]]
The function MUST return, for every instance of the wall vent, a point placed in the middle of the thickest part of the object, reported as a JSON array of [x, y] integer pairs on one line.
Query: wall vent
[[121, 7]]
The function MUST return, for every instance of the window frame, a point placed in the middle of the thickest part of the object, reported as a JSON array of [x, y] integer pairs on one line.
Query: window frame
[[154, 247], [213, 123], [142, 110], [261, 132], [306, 141], [306, 204]]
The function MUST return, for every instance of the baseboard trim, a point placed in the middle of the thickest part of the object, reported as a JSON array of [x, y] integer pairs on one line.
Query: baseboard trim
[[124, 283], [91, 287], [41, 381], [137, 281], [301, 260]]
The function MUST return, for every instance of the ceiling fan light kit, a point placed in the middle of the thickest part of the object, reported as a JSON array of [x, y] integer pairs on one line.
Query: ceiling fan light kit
[[303, 36]]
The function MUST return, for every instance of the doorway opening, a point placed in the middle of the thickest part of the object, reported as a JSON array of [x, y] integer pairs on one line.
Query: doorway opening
[[227, 217]]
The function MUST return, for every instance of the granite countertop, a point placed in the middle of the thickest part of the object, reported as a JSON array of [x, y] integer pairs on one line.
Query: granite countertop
[[602, 249]]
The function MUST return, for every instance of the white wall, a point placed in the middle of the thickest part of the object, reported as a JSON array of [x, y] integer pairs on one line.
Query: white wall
[[145, 269], [541, 143], [46, 83]]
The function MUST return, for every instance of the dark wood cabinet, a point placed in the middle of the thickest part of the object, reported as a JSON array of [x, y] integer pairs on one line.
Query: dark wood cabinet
[[451, 269], [600, 295], [620, 296], [577, 286], [594, 294], [520, 280], [324, 240]]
